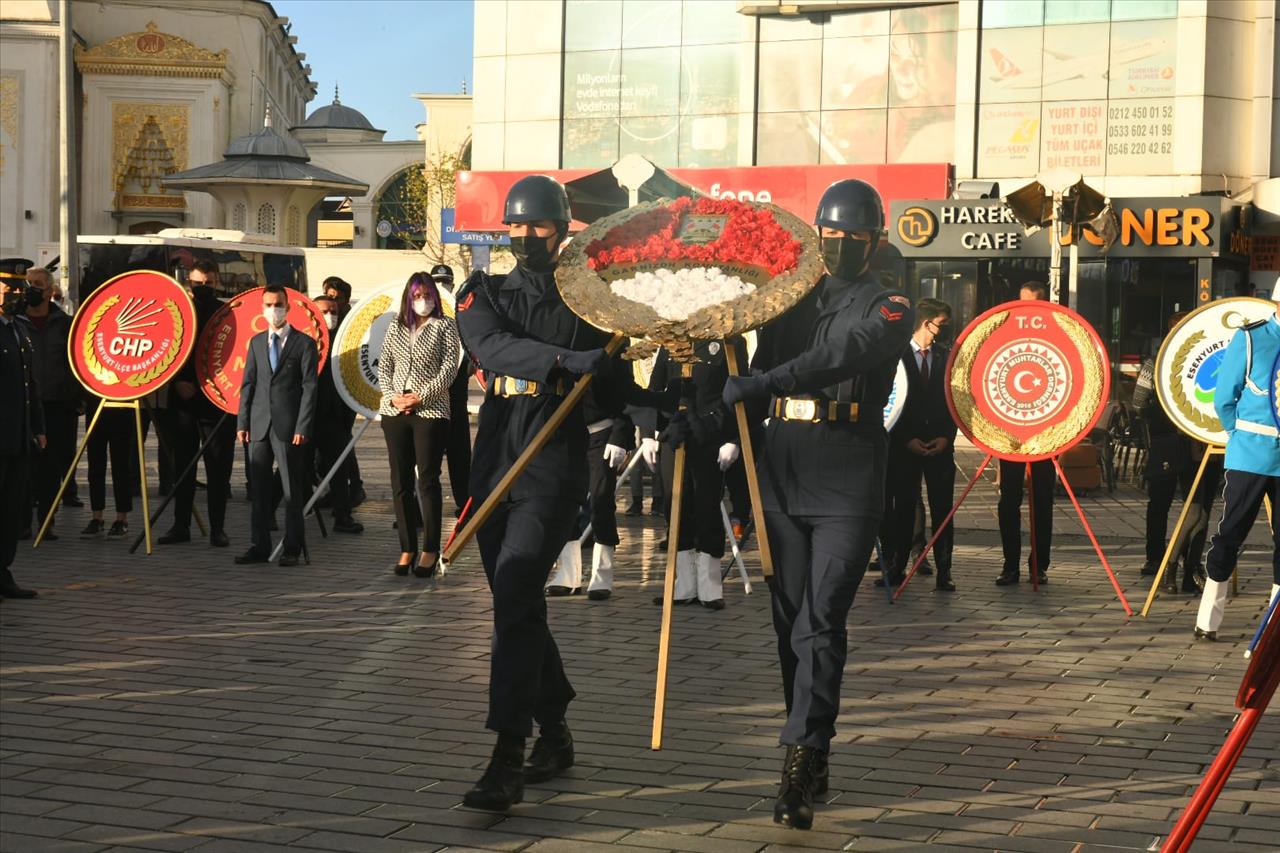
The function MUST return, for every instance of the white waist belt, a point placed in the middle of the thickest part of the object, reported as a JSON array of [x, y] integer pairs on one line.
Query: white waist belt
[[1257, 429]]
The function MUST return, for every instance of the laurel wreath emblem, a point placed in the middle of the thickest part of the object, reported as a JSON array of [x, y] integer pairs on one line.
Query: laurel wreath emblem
[[1178, 391], [151, 374], [104, 374], [99, 371], [349, 360]]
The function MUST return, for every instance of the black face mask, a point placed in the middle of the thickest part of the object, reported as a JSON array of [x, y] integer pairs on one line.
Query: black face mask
[[15, 303], [532, 253], [845, 257], [35, 297], [202, 291]]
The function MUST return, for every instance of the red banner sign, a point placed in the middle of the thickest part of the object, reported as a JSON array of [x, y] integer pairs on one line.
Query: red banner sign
[[1027, 380], [224, 343], [132, 335], [481, 195]]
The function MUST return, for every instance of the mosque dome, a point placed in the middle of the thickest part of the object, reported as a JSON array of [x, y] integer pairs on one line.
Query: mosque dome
[[337, 116]]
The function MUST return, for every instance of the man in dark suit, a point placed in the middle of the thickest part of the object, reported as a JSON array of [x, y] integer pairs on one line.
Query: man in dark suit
[[333, 431], [21, 416], [923, 443], [277, 414]]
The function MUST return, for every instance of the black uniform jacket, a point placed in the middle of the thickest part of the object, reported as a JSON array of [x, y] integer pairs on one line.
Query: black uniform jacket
[[58, 384], [518, 325], [701, 395], [841, 343], [206, 303], [21, 414], [925, 415]]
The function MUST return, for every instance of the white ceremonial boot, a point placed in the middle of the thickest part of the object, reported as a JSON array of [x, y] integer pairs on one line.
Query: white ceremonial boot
[[567, 576], [601, 586], [686, 580], [1212, 604], [710, 587]]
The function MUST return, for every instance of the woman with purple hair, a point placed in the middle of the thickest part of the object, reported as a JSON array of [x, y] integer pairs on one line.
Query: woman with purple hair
[[418, 362]]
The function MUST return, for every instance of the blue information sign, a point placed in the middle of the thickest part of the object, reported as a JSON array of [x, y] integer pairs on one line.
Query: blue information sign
[[449, 234]]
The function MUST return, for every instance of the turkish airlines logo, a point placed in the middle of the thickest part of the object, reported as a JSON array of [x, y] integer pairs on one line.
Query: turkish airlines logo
[[917, 226]]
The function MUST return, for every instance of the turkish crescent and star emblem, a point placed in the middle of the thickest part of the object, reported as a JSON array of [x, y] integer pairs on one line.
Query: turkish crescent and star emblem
[[1027, 380], [132, 335]]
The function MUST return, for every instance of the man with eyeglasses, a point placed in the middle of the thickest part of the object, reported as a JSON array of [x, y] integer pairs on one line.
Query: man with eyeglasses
[[922, 443]]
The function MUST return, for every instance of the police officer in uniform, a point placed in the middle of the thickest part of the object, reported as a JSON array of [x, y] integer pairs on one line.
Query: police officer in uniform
[[520, 332], [457, 451], [1252, 463], [21, 416], [824, 371]]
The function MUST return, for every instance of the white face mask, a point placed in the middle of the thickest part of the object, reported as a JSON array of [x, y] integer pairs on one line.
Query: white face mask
[[421, 307], [274, 316], [331, 320]]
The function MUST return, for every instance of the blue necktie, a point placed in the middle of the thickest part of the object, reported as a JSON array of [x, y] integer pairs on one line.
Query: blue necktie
[[275, 351]]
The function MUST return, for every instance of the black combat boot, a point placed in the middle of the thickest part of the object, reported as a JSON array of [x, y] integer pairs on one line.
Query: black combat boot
[[794, 806], [552, 753], [502, 785], [821, 772]]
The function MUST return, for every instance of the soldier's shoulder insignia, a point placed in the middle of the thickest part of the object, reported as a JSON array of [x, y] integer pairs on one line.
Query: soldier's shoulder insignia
[[900, 299], [1257, 324], [466, 303], [889, 314]]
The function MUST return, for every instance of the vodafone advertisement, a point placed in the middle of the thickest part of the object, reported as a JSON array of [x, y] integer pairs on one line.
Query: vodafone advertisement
[[481, 195]]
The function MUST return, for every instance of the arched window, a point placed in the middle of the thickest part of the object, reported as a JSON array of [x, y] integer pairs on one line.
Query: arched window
[[405, 204], [293, 227], [239, 217], [266, 219]]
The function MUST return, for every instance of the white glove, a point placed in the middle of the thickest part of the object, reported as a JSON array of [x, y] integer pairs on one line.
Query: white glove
[[614, 455], [649, 452], [728, 456]]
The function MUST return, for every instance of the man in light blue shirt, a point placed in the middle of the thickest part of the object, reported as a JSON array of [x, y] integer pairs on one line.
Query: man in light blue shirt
[[1252, 460]]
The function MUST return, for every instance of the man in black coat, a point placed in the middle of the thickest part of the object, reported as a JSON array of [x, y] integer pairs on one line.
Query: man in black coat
[[333, 430], [277, 417], [823, 371], [21, 416], [196, 418], [519, 331], [923, 443], [457, 452]]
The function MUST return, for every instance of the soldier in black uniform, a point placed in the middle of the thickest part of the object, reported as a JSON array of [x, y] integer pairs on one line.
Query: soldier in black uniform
[[518, 329], [21, 416], [195, 418], [824, 371], [333, 429], [457, 451]]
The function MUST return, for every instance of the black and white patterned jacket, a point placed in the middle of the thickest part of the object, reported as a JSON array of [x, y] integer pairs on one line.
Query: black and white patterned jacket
[[425, 365]]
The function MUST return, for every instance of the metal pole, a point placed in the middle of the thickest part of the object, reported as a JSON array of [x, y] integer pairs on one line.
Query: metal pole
[[67, 165], [1055, 250], [737, 554], [1073, 276]]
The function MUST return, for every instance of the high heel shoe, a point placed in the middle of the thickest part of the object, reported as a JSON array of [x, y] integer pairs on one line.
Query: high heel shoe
[[421, 571], [402, 569]]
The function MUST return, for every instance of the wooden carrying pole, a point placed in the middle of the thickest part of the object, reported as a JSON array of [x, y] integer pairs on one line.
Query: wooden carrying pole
[[539, 441], [669, 589], [749, 463], [1177, 528]]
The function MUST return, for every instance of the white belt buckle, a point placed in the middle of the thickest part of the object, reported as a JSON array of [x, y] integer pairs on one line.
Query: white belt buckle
[[801, 410]]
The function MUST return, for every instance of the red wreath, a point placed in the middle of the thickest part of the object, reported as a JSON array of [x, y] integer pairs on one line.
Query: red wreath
[[751, 236]]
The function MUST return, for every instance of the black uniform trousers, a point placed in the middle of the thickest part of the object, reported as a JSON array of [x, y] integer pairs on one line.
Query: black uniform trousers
[[518, 545], [332, 437], [903, 496], [15, 469], [1242, 495], [219, 453], [414, 441], [1161, 490], [1009, 511], [295, 480], [61, 426], [117, 433], [604, 491], [818, 563], [701, 527], [458, 448]]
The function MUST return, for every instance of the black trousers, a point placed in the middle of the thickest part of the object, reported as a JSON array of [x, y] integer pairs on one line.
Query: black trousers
[[61, 428], [15, 469], [818, 564], [903, 496], [701, 526], [1242, 495], [458, 447], [414, 441], [604, 491], [518, 545], [1160, 493], [219, 453], [735, 484], [332, 437], [115, 433], [1009, 512], [295, 479]]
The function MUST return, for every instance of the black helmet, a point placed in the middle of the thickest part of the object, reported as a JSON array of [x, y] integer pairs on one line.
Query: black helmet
[[535, 197], [440, 271], [851, 205]]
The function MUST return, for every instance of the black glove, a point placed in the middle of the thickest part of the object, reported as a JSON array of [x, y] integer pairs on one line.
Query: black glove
[[584, 362], [686, 426], [739, 388]]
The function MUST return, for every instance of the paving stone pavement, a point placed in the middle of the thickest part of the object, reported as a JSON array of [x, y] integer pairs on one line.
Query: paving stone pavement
[[179, 702]]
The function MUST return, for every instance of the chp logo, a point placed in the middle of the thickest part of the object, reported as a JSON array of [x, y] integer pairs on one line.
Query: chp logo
[[1027, 380], [917, 226], [1187, 364], [132, 335]]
